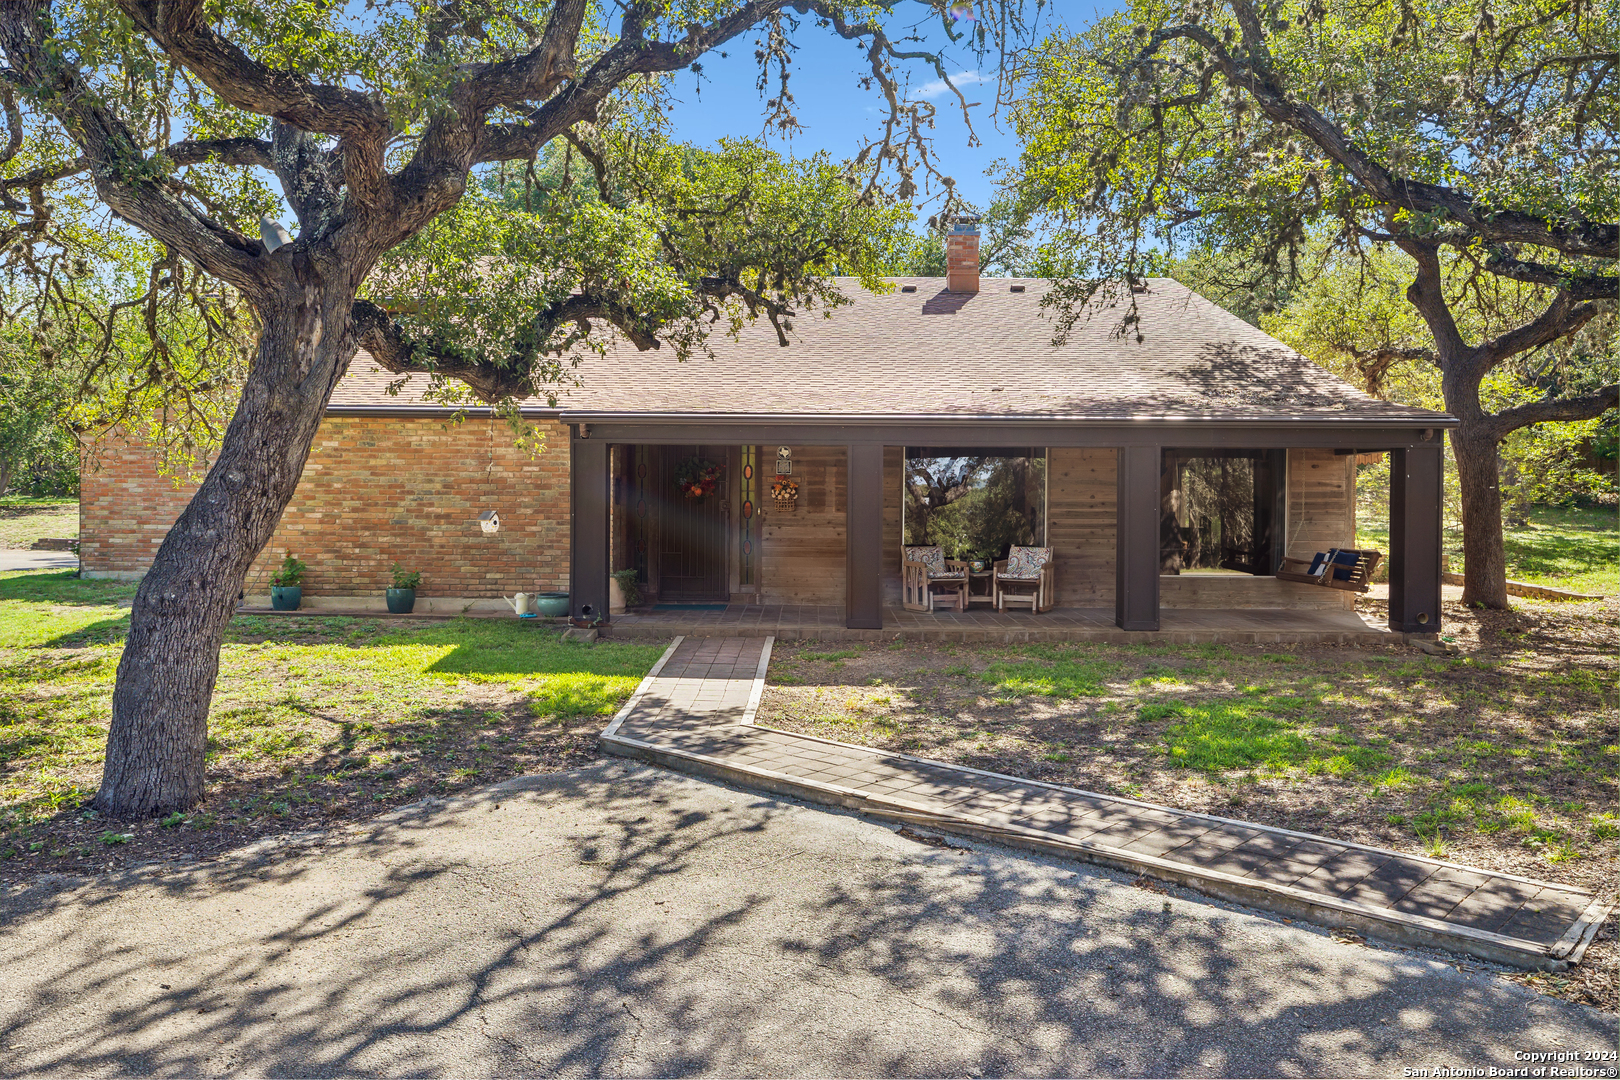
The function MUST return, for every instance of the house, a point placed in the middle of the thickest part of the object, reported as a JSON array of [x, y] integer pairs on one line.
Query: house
[[1171, 473]]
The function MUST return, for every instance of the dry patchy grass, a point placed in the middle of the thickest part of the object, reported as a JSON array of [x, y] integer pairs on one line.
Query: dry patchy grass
[[1506, 756]]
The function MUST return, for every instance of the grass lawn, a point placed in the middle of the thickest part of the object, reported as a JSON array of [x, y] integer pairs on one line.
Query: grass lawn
[[1507, 756], [315, 720], [1562, 547], [24, 520]]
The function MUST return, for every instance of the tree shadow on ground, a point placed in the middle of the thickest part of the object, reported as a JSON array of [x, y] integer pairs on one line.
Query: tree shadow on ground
[[616, 919]]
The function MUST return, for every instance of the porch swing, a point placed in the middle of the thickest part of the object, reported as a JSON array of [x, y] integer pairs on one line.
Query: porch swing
[[1350, 569]]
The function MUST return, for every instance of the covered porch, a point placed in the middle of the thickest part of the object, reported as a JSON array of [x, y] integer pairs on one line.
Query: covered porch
[[828, 566], [790, 622]]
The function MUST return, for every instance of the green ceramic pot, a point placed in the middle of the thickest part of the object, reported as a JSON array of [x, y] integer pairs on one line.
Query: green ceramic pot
[[286, 597], [401, 601], [553, 605]]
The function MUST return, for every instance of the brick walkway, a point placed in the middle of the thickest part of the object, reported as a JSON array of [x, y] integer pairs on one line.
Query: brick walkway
[[694, 712]]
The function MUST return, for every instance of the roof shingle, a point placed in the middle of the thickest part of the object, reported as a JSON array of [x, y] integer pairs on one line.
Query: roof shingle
[[931, 353]]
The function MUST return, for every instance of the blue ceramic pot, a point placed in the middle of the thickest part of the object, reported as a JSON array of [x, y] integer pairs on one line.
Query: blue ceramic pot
[[553, 605], [286, 597], [400, 601]]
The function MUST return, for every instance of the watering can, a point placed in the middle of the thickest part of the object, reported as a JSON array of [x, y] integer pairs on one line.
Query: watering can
[[520, 603]]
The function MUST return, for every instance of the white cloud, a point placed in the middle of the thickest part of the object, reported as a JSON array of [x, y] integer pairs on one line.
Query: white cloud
[[962, 79]]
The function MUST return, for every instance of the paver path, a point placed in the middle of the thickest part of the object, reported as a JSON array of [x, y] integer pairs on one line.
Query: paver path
[[695, 711]]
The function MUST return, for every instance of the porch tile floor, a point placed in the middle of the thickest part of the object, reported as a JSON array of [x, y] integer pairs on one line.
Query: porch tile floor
[[695, 712], [1180, 625]]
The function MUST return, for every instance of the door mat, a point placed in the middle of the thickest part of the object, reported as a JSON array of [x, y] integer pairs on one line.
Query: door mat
[[690, 607]]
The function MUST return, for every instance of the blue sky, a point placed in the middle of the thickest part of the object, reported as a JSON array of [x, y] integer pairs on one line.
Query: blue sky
[[838, 115]]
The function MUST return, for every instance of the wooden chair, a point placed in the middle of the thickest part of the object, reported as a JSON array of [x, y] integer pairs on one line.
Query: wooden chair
[[1350, 569], [1032, 577], [927, 576]]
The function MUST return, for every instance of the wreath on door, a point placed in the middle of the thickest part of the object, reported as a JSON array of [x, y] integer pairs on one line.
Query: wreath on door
[[698, 477]]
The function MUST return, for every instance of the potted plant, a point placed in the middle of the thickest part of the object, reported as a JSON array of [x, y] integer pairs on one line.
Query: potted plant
[[286, 592], [402, 597], [622, 591]]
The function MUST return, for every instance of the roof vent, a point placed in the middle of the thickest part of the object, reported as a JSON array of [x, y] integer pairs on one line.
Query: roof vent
[[908, 288], [1016, 288]]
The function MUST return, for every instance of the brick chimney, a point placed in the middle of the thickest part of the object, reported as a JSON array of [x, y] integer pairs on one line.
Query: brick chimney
[[962, 256]]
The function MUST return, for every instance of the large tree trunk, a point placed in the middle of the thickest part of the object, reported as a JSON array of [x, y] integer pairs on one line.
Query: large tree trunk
[[1479, 476], [159, 731], [1473, 441]]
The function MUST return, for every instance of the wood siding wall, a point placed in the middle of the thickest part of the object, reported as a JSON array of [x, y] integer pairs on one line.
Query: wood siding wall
[[1081, 497], [1321, 502], [802, 554]]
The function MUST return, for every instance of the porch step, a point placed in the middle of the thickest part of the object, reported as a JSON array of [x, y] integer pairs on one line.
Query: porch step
[[1238, 626]]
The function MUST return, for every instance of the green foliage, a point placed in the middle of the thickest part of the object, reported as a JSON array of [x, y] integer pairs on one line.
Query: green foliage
[[668, 243], [407, 579], [291, 572], [628, 586], [38, 453], [1134, 136]]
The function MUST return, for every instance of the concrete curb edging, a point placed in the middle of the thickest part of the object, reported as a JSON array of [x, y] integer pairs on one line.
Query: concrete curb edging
[[1525, 589], [758, 691], [1282, 899]]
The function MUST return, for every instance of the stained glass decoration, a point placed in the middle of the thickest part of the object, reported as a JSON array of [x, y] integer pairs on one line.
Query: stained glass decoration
[[746, 561]]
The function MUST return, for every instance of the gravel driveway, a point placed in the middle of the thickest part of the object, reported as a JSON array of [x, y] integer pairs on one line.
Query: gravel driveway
[[621, 920]]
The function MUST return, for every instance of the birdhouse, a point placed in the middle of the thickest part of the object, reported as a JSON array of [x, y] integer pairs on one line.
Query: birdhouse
[[490, 522]]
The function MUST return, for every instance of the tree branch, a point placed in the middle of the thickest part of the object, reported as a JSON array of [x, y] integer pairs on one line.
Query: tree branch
[[130, 184], [1580, 285], [1578, 237], [243, 151], [1560, 318], [1584, 407], [532, 76], [178, 28]]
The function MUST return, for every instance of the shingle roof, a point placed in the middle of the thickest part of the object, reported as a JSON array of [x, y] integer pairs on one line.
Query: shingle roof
[[931, 353]]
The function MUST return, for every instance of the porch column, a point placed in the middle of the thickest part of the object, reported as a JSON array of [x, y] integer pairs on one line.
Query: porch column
[[1136, 533], [589, 491], [863, 543], [1415, 479]]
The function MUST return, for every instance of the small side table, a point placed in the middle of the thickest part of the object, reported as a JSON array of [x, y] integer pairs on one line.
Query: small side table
[[984, 580]]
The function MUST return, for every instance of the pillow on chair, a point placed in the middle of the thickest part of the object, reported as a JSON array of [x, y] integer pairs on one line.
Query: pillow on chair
[[1026, 563], [932, 559]]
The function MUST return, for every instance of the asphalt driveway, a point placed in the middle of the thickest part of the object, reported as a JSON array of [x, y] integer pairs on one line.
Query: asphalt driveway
[[621, 920]]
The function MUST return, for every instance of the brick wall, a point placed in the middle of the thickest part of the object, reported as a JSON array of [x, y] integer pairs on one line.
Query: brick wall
[[376, 491]]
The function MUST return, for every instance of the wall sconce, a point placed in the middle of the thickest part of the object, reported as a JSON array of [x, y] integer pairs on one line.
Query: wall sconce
[[490, 522]]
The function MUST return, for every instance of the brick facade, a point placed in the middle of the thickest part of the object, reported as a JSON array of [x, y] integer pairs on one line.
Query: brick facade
[[376, 491]]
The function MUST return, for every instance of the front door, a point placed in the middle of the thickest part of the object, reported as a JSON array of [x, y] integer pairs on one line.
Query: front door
[[692, 539]]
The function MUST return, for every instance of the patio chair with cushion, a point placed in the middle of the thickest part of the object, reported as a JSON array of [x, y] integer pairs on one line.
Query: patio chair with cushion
[[1026, 576], [928, 577]]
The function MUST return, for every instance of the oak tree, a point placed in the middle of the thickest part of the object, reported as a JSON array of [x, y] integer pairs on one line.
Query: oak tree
[[393, 132], [1476, 137]]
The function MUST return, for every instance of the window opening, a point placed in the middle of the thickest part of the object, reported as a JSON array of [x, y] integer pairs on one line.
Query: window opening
[[975, 502], [1222, 511]]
